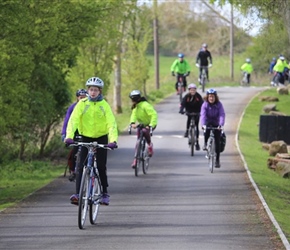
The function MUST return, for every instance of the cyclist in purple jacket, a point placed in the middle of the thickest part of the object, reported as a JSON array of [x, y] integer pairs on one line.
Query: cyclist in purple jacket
[[80, 94], [212, 114]]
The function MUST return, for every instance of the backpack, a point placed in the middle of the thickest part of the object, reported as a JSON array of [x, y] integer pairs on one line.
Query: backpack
[[223, 142]]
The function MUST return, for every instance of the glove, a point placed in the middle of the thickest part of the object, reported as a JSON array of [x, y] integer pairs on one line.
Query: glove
[[69, 141], [112, 145], [220, 127], [188, 73], [197, 65], [181, 112], [203, 127], [210, 65], [62, 138], [172, 73]]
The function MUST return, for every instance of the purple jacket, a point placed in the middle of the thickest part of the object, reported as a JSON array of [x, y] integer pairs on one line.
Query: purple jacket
[[212, 114], [67, 116]]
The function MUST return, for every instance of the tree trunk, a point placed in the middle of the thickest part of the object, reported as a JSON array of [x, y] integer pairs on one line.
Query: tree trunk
[[117, 102]]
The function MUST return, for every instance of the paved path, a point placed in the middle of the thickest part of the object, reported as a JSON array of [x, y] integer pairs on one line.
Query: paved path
[[178, 205]]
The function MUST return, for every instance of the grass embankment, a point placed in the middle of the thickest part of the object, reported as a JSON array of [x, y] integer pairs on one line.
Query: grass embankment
[[273, 187]]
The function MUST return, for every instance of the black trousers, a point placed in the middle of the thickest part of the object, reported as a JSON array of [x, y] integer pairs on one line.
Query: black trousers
[[101, 162]]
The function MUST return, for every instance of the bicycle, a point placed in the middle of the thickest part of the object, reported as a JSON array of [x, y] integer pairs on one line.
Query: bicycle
[[203, 77], [244, 80], [210, 148], [90, 192], [141, 153], [192, 132]]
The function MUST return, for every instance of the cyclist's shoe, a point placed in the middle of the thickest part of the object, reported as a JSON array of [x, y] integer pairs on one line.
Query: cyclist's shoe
[[134, 163], [204, 148], [217, 164], [74, 199], [72, 176], [186, 133], [105, 199], [150, 150], [197, 147]]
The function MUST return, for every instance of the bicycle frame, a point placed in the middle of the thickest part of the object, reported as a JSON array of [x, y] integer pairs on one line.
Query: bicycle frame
[[90, 188], [203, 77], [211, 154], [180, 86]]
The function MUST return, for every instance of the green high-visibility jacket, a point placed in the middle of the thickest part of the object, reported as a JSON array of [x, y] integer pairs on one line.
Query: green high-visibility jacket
[[180, 68], [92, 119], [145, 114], [247, 67]]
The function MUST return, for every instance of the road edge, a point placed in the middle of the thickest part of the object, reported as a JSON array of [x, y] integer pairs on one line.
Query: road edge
[[265, 205]]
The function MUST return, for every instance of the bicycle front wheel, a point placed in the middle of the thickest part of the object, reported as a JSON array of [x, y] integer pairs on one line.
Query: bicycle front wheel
[[83, 198], [95, 199], [192, 141], [203, 83], [146, 159], [138, 157], [211, 155]]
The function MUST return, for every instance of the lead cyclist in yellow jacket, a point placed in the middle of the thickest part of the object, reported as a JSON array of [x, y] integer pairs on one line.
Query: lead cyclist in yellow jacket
[[180, 68], [143, 113], [94, 120]]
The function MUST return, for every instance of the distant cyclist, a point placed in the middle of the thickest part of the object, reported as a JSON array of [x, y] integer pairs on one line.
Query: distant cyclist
[[203, 59], [180, 68], [212, 114], [280, 68], [271, 66], [143, 113], [192, 102], [247, 67]]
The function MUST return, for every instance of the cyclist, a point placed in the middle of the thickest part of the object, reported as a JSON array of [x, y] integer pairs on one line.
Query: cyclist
[[202, 59], [280, 68], [143, 113], [180, 67], [271, 66], [192, 102], [94, 120], [80, 94], [212, 114], [247, 67]]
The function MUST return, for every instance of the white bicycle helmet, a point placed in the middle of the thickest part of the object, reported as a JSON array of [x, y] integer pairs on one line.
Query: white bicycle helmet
[[248, 60], [95, 81], [135, 95], [191, 86]]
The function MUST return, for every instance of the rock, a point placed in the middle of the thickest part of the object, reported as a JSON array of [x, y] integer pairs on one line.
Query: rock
[[276, 113], [277, 147], [269, 99], [283, 169], [269, 107], [283, 91]]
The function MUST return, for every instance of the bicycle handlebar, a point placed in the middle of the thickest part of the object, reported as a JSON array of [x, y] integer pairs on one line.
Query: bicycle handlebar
[[140, 126], [191, 114], [90, 144]]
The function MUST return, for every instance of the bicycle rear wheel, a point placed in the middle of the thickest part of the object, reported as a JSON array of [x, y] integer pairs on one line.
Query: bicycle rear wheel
[[211, 159], [192, 140], [83, 198], [146, 159], [95, 199]]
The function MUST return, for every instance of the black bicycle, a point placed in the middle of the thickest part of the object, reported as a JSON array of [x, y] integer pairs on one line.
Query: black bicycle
[[192, 132], [141, 153], [203, 78], [90, 192]]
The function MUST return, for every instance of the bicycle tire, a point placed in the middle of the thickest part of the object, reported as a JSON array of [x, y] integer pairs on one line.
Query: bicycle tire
[[83, 198], [180, 94], [192, 141], [146, 159], [138, 158], [212, 155], [202, 81], [95, 199]]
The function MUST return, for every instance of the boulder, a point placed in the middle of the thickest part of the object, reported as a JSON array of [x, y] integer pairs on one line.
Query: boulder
[[277, 147], [269, 99], [269, 107], [283, 91], [276, 113]]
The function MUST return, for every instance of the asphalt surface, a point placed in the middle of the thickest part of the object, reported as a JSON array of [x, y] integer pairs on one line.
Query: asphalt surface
[[179, 204]]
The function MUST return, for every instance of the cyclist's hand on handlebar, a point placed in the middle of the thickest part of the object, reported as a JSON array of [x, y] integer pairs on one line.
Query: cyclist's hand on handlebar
[[203, 127], [181, 112], [69, 141], [133, 125], [197, 65], [220, 127], [112, 145], [172, 73], [187, 74], [210, 65]]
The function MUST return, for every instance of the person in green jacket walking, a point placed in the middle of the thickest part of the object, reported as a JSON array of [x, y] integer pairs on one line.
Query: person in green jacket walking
[[143, 113], [180, 68], [247, 67], [95, 121]]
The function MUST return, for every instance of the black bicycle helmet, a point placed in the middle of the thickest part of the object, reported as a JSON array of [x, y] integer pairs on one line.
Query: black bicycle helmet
[[81, 92], [135, 95]]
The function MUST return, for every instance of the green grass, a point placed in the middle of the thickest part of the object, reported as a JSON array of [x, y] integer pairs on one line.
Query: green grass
[[273, 187], [18, 179]]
